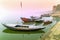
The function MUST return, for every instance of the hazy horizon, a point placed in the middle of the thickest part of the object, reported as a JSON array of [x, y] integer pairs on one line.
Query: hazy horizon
[[11, 9]]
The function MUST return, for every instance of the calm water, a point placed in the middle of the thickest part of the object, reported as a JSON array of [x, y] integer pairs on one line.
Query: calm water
[[6, 34]]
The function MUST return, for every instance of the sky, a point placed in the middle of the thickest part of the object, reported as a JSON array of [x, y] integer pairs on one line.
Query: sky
[[12, 8], [28, 4]]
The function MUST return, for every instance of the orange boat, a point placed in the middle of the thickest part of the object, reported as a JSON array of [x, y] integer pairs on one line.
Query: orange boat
[[26, 19]]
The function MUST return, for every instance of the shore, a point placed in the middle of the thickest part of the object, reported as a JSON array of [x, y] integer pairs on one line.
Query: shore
[[54, 33], [56, 14]]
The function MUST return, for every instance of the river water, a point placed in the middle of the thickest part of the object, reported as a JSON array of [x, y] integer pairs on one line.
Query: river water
[[6, 34], [13, 16]]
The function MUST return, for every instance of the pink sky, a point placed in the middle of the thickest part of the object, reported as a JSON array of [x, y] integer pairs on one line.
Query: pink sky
[[28, 4], [12, 8]]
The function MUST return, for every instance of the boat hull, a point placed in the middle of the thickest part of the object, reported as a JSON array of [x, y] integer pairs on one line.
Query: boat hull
[[20, 28], [26, 20]]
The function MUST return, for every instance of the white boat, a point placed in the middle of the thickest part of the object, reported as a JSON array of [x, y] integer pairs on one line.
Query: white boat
[[22, 27]]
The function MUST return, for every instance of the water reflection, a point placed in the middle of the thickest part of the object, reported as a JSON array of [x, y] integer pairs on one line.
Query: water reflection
[[22, 32]]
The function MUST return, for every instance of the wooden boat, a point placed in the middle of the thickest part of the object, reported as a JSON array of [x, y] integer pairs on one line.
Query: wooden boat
[[34, 19], [26, 19], [22, 27]]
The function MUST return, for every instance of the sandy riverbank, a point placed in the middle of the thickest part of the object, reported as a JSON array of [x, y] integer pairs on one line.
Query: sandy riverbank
[[58, 15], [55, 33]]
